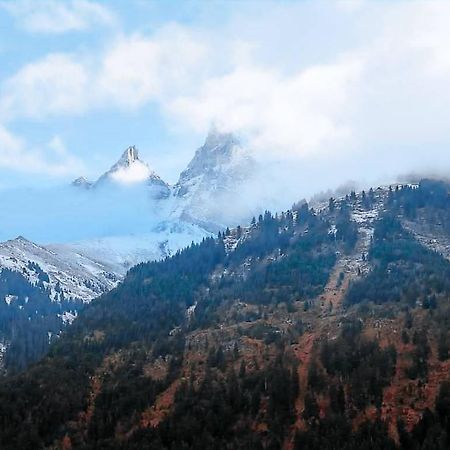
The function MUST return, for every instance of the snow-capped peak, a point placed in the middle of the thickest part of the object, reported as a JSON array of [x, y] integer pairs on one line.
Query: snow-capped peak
[[129, 170], [20, 238], [213, 178], [217, 155]]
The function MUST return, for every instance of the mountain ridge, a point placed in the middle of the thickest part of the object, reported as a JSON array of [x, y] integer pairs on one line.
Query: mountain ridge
[[312, 328]]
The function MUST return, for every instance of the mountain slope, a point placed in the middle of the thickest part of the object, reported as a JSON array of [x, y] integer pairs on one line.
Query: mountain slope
[[41, 291], [124, 251], [314, 329], [66, 274]]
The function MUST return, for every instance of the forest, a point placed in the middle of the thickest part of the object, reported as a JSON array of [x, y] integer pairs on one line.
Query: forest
[[206, 349]]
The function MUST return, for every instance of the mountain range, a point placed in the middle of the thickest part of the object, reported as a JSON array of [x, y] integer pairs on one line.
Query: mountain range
[[315, 328], [80, 239]]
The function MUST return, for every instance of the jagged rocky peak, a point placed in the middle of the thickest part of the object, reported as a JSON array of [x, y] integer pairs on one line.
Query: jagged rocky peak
[[130, 169], [82, 182], [129, 156], [214, 178], [221, 158]]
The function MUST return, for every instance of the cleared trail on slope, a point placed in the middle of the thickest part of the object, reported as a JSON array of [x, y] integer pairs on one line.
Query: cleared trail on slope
[[330, 311]]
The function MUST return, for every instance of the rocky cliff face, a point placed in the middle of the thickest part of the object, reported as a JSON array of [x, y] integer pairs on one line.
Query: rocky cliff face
[[213, 179]]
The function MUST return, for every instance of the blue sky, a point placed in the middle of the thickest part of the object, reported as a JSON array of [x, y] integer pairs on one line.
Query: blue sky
[[96, 137], [354, 90]]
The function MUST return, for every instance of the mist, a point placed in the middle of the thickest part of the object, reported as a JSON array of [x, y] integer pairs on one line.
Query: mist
[[68, 213], [358, 95]]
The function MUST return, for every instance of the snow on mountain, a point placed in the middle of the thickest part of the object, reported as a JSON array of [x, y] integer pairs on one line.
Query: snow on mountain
[[131, 170], [127, 216], [212, 180], [124, 251], [41, 292], [97, 231], [59, 271]]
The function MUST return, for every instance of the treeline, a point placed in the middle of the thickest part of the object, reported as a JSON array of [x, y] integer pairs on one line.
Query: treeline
[[430, 198]]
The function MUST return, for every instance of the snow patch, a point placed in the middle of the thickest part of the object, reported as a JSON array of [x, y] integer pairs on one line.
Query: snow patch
[[68, 317], [191, 310], [10, 298], [3, 349]]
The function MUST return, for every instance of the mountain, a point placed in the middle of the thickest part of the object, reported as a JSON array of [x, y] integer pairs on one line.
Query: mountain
[[129, 214], [66, 274], [41, 291], [91, 233], [131, 170], [130, 199], [212, 180], [317, 328]]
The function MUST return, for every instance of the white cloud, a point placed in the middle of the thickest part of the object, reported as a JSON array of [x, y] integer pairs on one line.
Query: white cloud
[[292, 114], [422, 29], [135, 173], [52, 159], [138, 69], [385, 88], [57, 16], [56, 84], [350, 5], [131, 72]]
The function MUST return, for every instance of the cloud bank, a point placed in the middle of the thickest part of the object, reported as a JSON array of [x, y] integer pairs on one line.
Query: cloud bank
[[369, 105]]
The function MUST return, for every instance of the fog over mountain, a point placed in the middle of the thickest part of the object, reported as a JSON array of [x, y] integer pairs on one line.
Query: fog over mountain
[[359, 94], [129, 214]]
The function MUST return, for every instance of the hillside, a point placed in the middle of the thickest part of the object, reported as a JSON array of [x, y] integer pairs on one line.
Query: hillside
[[312, 329], [41, 291]]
